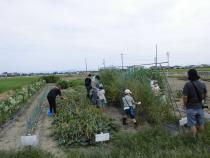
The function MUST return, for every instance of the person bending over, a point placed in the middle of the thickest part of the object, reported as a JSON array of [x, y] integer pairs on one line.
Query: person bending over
[[51, 97]]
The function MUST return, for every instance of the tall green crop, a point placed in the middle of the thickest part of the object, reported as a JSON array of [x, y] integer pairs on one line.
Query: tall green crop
[[153, 108]]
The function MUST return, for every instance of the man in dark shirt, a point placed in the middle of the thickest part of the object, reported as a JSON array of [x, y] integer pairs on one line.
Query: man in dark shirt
[[51, 97], [193, 93], [88, 84]]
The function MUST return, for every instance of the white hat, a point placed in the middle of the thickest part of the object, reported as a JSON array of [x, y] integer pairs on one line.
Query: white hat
[[127, 91]]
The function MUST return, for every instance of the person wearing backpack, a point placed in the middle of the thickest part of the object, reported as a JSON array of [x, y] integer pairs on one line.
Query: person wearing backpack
[[194, 92]]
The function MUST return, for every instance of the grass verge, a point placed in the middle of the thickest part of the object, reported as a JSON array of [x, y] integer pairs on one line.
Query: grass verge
[[14, 83]]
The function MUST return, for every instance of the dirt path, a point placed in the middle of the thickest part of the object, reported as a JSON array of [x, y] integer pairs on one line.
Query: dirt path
[[6, 95], [10, 136], [44, 131], [116, 115]]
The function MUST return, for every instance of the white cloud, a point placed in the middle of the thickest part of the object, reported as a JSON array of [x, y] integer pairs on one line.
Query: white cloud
[[59, 34]]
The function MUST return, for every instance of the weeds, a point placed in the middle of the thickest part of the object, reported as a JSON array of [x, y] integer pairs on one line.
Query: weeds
[[153, 108], [26, 153]]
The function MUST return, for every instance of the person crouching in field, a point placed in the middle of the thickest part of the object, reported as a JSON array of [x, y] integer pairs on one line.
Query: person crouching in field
[[101, 98], [193, 93], [129, 107], [51, 97]]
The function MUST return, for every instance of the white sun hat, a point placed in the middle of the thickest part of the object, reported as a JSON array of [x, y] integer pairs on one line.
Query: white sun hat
[[127, 91]]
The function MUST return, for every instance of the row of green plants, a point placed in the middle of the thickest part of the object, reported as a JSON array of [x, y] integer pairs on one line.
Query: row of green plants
[[64, 84], [51, 78], [78, 121], [14, 103], [154, 109], [150, 142]]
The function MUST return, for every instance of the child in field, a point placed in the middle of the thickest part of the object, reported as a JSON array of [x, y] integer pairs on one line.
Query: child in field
[[155, 88], [101, 98], [129, 107]]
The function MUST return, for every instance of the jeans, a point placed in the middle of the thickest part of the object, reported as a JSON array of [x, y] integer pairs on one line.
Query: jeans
[[195, 117]]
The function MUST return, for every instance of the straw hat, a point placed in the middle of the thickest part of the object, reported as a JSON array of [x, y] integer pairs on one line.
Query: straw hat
[[127, 91]]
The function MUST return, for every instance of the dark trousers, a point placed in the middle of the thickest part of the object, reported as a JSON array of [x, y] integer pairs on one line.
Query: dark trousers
[[52, 104], [88, 92]]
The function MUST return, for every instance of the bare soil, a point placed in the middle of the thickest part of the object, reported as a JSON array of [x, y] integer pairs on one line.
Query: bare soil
[[116, 114], [10, 135], [6, 95], [46, 142]]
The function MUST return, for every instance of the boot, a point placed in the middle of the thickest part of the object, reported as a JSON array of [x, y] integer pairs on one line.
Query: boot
[[135, 125], [124, 121]]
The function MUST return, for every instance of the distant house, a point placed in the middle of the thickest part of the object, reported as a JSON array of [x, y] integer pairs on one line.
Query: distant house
[[177, 67]]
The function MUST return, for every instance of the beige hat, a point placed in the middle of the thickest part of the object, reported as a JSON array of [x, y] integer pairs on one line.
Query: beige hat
[[127, 91]]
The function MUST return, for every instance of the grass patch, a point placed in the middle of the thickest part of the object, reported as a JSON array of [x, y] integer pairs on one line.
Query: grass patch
[[51, 78], [26, 153], [151, 143], [76, 83], [14, 83], [185, 70]]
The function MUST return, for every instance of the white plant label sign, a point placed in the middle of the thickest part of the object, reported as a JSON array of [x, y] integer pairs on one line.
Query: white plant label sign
[[183, 121], [29, 140], [102, 137]]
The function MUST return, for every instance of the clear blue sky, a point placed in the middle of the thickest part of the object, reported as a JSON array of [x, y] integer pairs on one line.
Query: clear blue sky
[[49, 35]]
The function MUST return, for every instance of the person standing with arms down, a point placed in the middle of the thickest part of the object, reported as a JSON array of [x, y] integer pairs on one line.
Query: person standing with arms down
[[51, 97], [95, 84], [88, 85], [194, 93], [101, 98]]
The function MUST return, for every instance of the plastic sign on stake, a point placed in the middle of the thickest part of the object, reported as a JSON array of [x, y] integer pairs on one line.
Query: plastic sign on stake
[[29, 140], [183, 121], [102, 137]]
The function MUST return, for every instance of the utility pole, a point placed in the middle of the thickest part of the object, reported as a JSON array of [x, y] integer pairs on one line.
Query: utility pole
[[168, 54], [86, 64], [156, 59], [122, 59], [104, 63]]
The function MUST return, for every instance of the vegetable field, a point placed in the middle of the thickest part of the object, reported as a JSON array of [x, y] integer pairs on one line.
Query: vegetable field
[[71, 133], [14, 103], [78, 121]]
